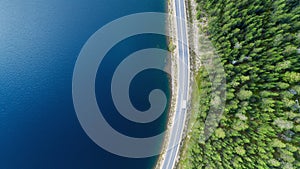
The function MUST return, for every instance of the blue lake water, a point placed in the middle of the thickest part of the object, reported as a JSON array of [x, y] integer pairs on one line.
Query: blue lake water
[[39, 43]]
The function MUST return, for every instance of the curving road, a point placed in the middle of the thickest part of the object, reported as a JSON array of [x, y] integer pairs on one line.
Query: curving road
[[176, 130]]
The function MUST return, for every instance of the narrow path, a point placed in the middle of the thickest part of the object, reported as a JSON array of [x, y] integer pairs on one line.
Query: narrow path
[[176, 130]]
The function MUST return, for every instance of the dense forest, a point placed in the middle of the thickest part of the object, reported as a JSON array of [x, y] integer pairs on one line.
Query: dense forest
[[258, 42]]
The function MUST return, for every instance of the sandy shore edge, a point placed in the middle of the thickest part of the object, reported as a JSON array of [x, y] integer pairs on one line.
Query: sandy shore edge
[[172, 62]]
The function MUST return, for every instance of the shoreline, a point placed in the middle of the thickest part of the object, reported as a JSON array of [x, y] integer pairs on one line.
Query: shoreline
[[171, 65]]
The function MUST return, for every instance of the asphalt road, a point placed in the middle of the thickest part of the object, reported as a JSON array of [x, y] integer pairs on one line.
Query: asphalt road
[[176, 130]]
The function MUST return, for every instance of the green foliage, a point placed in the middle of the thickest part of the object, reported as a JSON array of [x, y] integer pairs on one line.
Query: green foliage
[[220, 133], [274, 163], [244, 95], [277, 143], [258, 42], [283, 124], [240, 150], [292, 77]]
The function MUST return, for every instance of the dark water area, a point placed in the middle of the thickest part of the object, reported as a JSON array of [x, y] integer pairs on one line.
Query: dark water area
[[140, 87], [39, 43]]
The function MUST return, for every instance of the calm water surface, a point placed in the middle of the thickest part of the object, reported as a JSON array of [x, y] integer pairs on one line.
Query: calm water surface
[[39, 44]]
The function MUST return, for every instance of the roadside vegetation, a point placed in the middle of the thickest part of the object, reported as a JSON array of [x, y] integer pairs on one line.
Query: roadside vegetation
[[258, 42]]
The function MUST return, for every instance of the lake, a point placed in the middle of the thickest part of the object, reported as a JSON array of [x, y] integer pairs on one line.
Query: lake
[[39, 44]]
